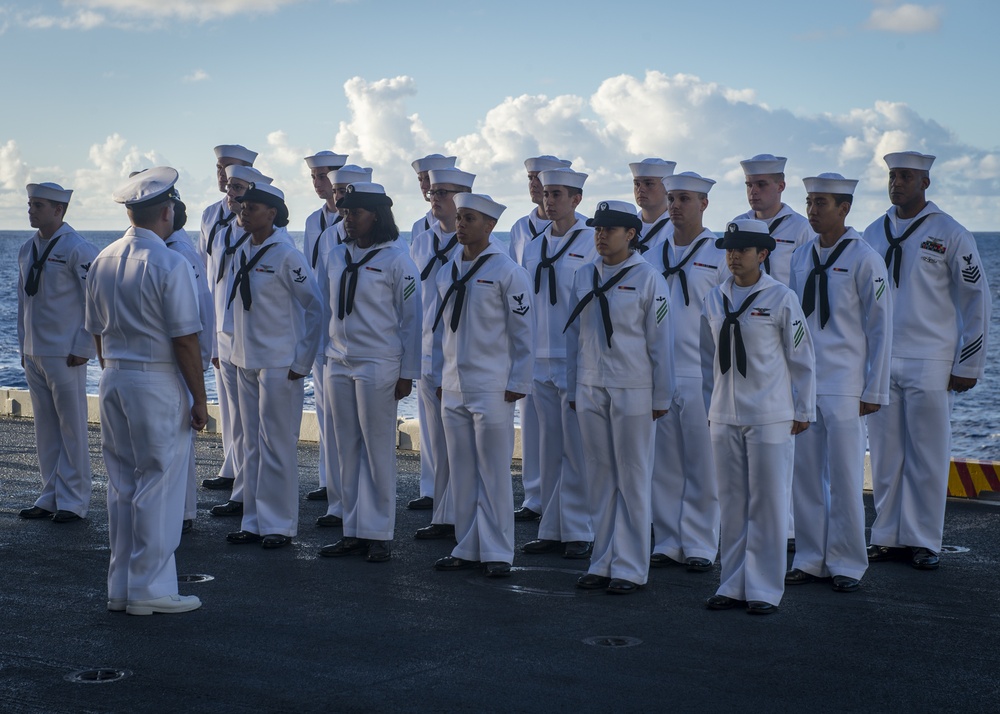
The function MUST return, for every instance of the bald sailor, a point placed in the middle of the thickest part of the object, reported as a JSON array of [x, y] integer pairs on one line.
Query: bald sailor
[[320, 165], [54, 346], [430, 250], [482, 306], [565, 246], [525, 230], [940, 334], [841, 284], [142, 306], [685, 492], [422, 168], [650, 193]]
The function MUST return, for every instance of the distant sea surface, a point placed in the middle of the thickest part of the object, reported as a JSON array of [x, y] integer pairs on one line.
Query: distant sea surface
[[976, 425]]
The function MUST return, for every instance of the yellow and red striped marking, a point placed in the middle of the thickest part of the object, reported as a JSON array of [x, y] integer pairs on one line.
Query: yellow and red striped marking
[[968, 477]]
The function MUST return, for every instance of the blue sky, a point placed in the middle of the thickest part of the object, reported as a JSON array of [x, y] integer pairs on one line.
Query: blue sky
[[95, 88]]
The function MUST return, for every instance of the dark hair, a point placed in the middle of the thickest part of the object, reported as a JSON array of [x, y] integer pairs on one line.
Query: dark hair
[[180, 215], [384, 230], [634, 243], [573, 190], [840, 198], [144, 215], [281, 216]]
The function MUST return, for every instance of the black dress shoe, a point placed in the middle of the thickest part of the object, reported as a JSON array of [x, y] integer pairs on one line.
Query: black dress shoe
[[424, 503], [925, 559], [698, 565], [620, 586], [276, 541], [329, 521], [65, 517], [187, 525], [662, 560], [229, 508], [721, 602], [34, 512], [590, 581], [844, 584], [759, 607], [435, 531], [379, 551], [578, 550], [450, 562], [345, 546], [542, 545], [318, 494], [526, 514], [798, 577], [218, 483], [242, 538], [496, 570], [883, 553]]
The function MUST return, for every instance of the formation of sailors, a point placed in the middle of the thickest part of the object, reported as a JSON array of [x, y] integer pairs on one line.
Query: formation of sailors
[[717, 389]]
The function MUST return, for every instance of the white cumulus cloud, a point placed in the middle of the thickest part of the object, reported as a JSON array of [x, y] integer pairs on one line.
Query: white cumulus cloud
[[199, 75], [195, 10], [907, 18]]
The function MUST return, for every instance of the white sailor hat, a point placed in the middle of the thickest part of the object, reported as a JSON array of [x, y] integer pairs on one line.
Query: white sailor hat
[[148, 188], [829, 183], [49, 191], [615, 213], [909, 160], [434, 161], [364, 194], [248, 174], [688, 181], [480, 202], [656, 168], [546, 162], [562, 177], [322, 159], [746, 233], [351, 173], [235, 151], [453, 176], [763, 164]]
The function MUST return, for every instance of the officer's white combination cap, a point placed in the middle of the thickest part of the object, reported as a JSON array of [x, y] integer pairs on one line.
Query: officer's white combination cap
[[546, 163], [688, 181], [49, 191], [909, 160], [434, 161], [235, 151], [480, 202], [563, 177], [349, 174], [247, 173], [148, 187], [829, 183], [322, 159], [655, 168], [762, 164], [452, 175]]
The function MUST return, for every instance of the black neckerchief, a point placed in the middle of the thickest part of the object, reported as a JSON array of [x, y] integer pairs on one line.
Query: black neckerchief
[[678, 269], [242, 280], [229, 252], [535, 232], [349, 282], [894, 253], [547, 263], [439, 254], [819, 271], [644, 243], [322, 228], [770, 230], [222, 220], [599, 291], [457, 288], [34, 278], [733, 321]]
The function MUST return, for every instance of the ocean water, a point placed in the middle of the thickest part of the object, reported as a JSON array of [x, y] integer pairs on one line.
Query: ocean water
[[976, 424]]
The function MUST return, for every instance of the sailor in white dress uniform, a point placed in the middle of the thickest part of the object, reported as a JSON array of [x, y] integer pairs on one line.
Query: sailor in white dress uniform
[[650, 193], [55, 348], [619, 371], [941, 316], [483, 322], [841, 283], [422, 168], [757, 360]]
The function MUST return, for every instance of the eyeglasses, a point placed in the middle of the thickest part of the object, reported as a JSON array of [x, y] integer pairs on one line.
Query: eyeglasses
[[440, 193], [236, 188]]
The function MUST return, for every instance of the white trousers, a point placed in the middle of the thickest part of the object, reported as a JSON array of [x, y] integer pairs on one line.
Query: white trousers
[[685, 501], [271, 412], [479, 432], [319, 366], [754, 465], [362, 396], [434, 470], [329, 456], [227, 385], [530, 475], [910, 441], [828, 480], [191, 474], [59, 402], [144, 427], [617, 429]]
